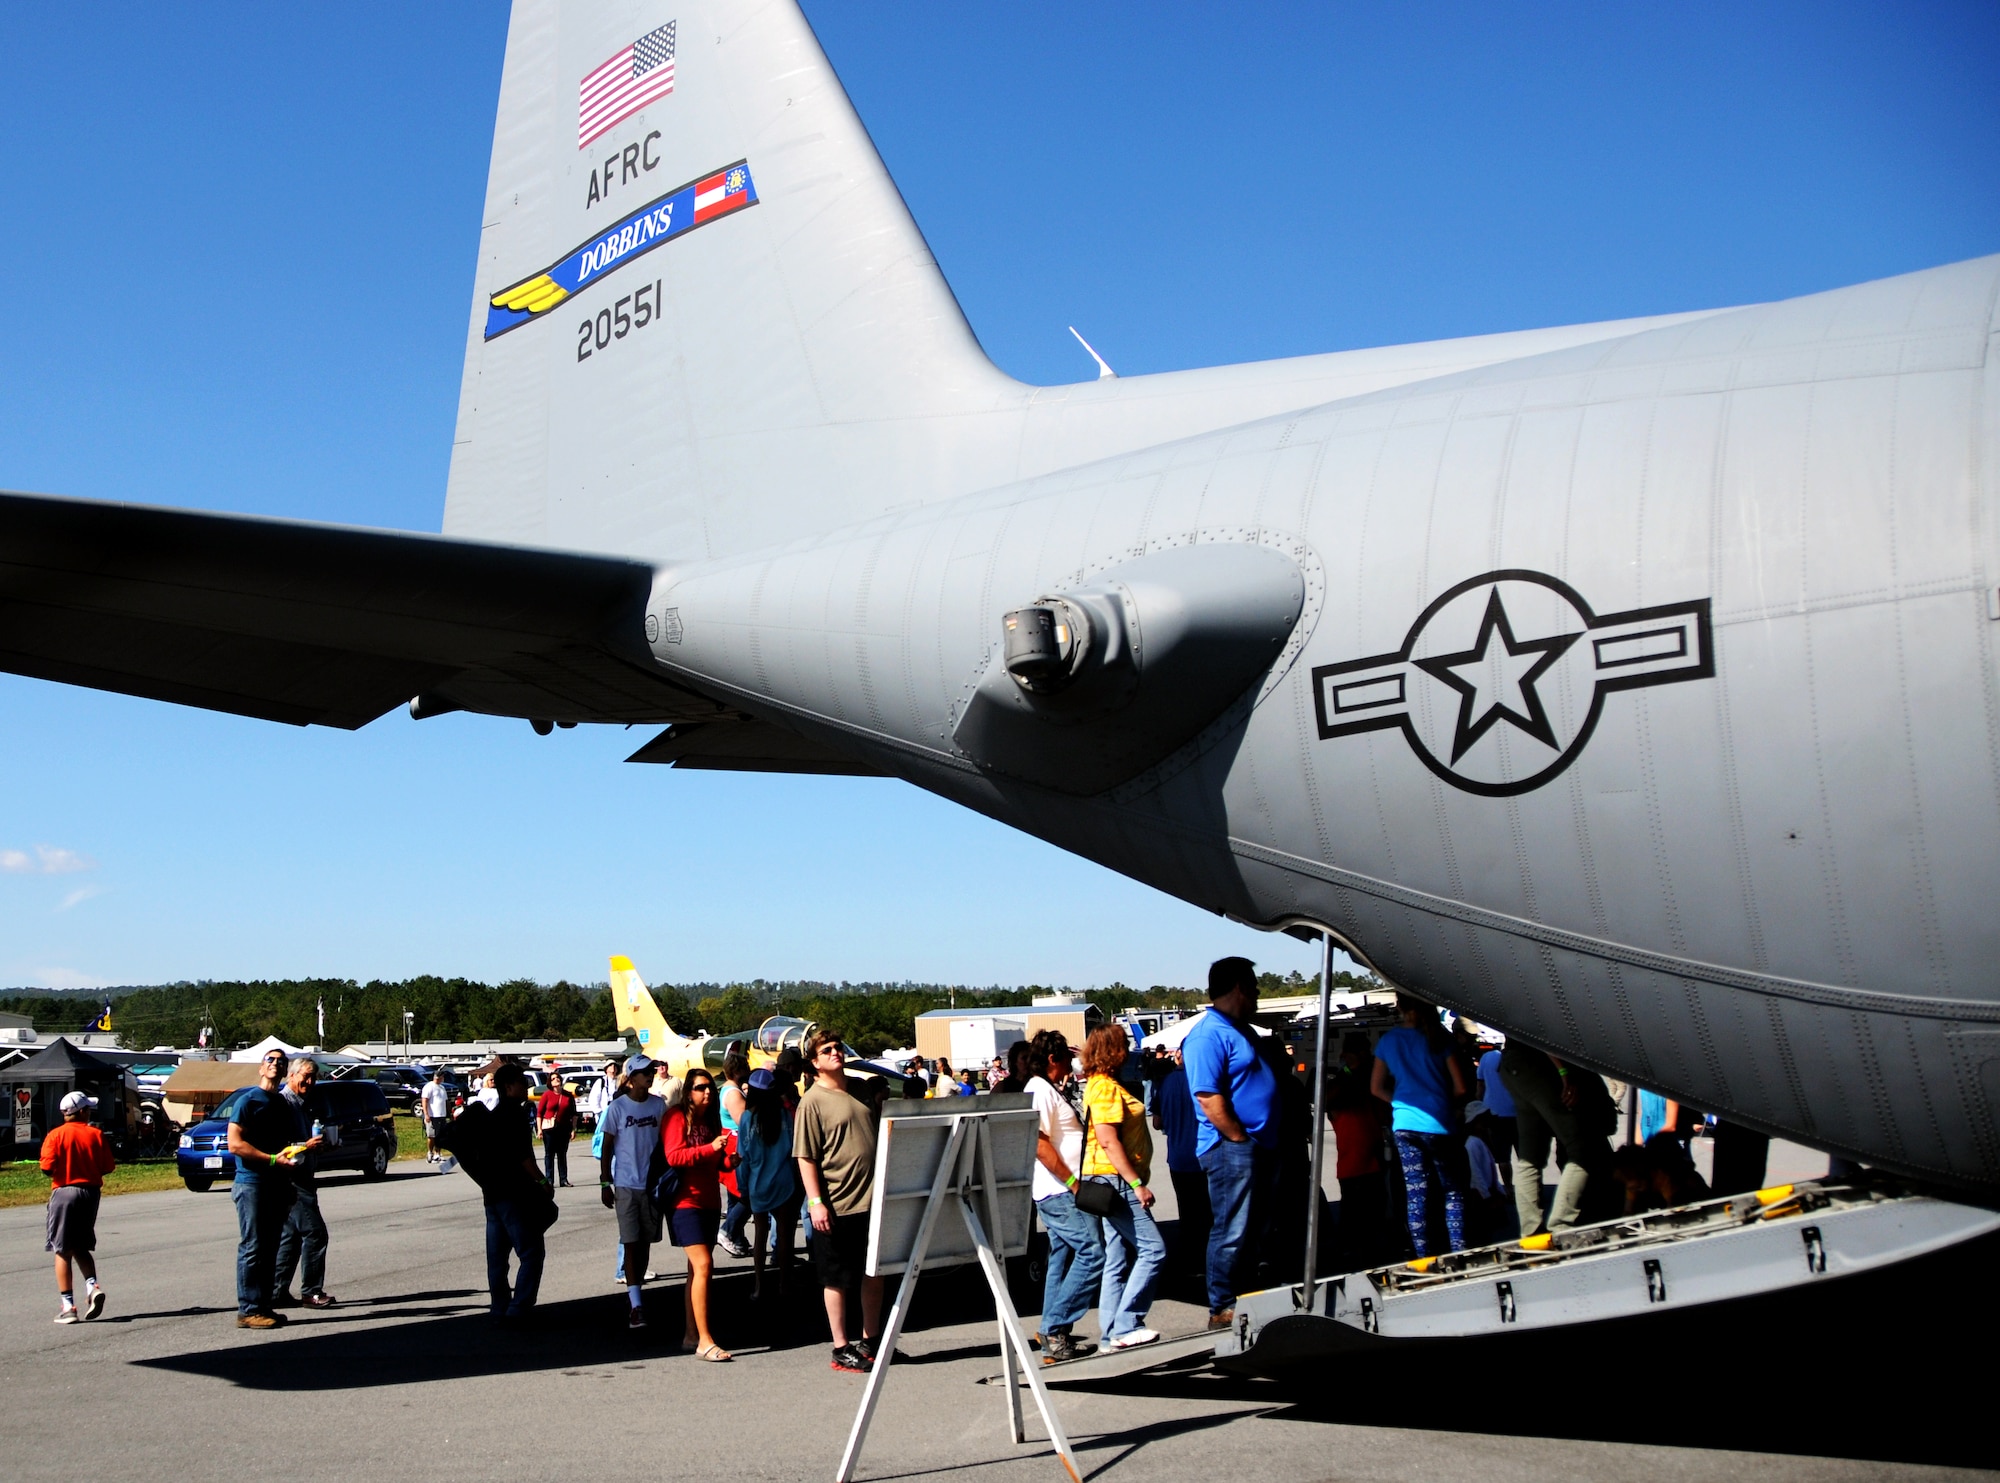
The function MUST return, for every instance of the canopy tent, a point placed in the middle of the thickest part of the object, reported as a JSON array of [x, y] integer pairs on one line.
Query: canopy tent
[[61, 1068], [263, 1048], [196, 1087], [61, 1061], [1171, 1037]]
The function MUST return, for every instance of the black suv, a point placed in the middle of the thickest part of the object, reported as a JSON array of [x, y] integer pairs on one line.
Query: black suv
[[356, 1111], [400, 1084]]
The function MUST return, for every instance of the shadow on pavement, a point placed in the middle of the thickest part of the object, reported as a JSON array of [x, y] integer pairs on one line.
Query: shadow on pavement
[[166, 1313], [1876, 1368], [370, 1341]]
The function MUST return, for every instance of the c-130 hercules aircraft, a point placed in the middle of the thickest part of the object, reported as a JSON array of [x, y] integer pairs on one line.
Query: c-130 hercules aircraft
[[1631, 687]]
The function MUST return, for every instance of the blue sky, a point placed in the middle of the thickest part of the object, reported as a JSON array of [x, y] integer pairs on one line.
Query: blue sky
[[239, 245]]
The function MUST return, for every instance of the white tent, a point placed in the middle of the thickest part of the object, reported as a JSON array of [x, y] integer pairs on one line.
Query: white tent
[[263, 1048], [1170, 1038]]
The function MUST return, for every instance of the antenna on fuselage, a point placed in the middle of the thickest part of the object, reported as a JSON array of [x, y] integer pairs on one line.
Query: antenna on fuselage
[[1104, 372]]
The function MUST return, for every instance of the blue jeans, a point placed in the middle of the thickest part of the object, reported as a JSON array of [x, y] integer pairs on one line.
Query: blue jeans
[[1134, 1254], [261, 1210], [304, 1236], [1076, 1259], [1240, 1180], [736, 1219], [511, 1231]]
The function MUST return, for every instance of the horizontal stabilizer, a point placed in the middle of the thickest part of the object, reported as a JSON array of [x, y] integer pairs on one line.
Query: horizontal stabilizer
[[747, 746], [320, 624]]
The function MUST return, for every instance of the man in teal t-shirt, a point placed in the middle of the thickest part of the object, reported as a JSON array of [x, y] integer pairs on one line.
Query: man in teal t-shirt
[[263, 1125]]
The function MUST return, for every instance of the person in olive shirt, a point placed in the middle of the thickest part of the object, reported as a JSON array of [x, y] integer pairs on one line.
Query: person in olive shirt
[[833, 1137], [260, 1129]]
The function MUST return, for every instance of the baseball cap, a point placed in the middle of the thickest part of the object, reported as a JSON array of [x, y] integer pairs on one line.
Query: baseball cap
[[76, 1102], [1475, 1109], [762, 1079], [637, 1064]]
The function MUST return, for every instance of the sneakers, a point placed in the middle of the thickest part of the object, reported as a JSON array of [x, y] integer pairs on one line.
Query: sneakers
[[636, 1319], [258, 1320], [69, 1315], [93, 1304], [1223, 1319], [1133, 1339], [867, 1348], [854, 1359], [1059, 1347], [731, 1245], [318, 1300]]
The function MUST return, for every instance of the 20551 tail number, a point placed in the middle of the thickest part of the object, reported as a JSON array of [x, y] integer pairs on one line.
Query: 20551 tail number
[[632, 313]]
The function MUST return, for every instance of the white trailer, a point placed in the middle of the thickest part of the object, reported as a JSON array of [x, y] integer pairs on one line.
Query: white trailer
[[975, 1042]]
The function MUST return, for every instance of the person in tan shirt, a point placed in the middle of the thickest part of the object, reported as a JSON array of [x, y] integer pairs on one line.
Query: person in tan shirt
[[833, 1138]]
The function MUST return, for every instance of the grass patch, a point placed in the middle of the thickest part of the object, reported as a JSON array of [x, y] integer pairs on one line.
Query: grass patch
[[24, 1183], [410, 1142]]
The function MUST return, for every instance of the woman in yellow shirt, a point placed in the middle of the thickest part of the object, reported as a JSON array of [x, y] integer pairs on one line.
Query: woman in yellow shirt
[[1119, 1153]]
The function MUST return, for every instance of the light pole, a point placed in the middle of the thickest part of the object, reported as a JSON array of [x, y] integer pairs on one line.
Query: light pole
[[409, 1016]]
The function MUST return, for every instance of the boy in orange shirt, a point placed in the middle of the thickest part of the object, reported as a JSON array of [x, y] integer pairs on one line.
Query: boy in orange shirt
[[76, 1158]]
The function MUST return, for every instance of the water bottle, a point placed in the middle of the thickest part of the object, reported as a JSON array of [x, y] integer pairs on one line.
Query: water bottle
[[448, 1163], [318, 1127]]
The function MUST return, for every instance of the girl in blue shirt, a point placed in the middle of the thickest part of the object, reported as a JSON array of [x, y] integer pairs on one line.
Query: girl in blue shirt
[[1421, 1080]]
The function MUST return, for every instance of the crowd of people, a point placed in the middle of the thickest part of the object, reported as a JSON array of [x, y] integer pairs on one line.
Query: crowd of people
[[1427, 1122]]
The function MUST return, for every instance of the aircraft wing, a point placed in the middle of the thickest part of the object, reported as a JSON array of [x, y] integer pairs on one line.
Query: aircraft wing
[[320, 624]]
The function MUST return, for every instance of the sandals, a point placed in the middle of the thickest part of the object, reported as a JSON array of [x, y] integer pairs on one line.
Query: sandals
[[715, 1354]]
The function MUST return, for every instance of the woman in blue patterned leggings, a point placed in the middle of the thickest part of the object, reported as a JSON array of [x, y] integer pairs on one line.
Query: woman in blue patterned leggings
[[1423, 1083]]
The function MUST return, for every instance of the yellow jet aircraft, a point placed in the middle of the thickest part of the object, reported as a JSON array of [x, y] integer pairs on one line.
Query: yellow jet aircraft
[[640, 1017]]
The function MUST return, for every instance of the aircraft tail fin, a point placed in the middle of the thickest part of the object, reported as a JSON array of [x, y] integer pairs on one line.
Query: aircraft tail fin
[[701, 303], [638, 1015]]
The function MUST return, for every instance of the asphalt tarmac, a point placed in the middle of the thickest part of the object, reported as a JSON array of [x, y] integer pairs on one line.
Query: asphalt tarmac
[[407, 1378]]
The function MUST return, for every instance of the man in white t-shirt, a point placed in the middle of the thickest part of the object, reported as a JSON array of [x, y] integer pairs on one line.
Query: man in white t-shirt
[[1076, 1241], [436, 1101]]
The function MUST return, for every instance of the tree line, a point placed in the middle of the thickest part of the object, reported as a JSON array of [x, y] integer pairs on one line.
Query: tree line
[[871, 1017]]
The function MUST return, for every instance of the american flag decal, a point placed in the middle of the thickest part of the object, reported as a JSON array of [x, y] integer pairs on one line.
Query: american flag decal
[[614, 90]]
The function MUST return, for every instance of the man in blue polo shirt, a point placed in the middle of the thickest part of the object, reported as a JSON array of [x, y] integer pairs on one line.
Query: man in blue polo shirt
[[1236, 1133]]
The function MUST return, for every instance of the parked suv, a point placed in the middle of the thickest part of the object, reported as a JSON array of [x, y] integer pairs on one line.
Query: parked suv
[[400, 1084], [355, 1112]]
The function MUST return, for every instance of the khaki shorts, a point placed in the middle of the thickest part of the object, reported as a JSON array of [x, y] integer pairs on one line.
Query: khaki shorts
[[638, 1217], [72, 1219]]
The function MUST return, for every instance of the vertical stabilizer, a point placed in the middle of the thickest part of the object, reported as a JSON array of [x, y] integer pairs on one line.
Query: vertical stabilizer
[[703, 317], [640, 1017]]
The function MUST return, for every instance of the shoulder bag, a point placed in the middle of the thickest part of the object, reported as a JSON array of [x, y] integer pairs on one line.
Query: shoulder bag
[[1093, 1198]]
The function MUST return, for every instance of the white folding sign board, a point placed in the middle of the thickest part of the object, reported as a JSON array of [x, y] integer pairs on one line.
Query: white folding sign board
[[908, 1147], [952, 1186]]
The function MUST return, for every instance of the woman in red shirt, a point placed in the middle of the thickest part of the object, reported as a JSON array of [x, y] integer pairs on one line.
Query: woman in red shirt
[[696, 1145]]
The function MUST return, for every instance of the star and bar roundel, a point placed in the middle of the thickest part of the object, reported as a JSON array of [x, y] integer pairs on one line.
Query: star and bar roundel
[[1499, 682]]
